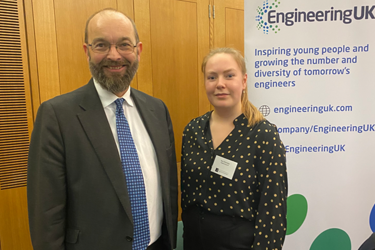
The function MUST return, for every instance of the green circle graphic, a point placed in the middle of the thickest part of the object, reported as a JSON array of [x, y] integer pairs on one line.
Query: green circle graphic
[[296, 212], [332, 239]]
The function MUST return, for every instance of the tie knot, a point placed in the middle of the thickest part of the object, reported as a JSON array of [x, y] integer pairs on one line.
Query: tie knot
[[119, 102]]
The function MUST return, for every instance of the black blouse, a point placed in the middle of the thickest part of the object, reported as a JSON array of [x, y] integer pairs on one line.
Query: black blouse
[[258, 189]]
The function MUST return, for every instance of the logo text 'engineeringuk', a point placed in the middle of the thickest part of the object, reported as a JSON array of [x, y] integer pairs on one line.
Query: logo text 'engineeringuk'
[[268, 19]]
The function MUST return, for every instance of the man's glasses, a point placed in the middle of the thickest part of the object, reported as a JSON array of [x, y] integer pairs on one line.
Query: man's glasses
[[123, 48]]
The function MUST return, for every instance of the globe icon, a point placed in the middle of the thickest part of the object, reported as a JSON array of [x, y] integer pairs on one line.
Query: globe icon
[[265, 110]]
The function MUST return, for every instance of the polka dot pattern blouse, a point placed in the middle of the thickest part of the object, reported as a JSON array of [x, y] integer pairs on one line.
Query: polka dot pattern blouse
[[258, 189]]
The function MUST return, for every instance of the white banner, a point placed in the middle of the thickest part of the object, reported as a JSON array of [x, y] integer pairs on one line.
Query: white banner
[[311, 68]]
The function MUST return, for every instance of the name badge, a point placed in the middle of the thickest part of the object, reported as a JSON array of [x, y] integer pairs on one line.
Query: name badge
[[224, 167]]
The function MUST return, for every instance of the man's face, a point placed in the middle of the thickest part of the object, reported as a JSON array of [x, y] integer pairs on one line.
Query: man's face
[[113, 70]]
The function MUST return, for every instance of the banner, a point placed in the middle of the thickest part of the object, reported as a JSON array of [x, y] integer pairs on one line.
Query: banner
[[311, 71]]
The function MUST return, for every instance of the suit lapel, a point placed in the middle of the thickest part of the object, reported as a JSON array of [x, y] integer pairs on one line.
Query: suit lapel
[[150, 120], [152, 124], [95, 124]]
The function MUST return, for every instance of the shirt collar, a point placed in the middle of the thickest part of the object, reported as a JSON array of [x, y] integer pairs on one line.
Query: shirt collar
[[237, 121], [107, 97]]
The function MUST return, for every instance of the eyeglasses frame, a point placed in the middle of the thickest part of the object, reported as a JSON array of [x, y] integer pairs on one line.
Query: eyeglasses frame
[[110, 46]]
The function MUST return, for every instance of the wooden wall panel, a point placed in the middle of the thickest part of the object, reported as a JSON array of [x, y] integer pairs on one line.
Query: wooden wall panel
[[143, 22], [234, 29], [161, 29], [15, 103], [127, 7], [203, 49], [46, 49], [178, 46], [15, 126], [32, 62], [183, 92], [179, 41], [229, 24], [14, 226]]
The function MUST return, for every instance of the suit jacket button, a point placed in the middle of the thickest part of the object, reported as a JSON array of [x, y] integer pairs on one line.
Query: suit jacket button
[[128, 238]]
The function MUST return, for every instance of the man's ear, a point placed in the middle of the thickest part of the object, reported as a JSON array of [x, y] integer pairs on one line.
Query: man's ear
[[139, 48], [86, 49]]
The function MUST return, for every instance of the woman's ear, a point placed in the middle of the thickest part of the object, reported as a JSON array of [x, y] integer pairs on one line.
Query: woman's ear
[[244, 83]]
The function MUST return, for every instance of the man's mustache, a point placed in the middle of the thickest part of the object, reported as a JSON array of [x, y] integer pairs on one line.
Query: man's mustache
[[109, 63]]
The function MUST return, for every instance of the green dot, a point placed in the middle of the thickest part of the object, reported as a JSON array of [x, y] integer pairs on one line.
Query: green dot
[[276, 26], [296, 212], [276, 6], [332, 239], [270, 26]]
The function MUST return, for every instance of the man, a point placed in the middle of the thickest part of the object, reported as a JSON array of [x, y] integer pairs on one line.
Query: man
[[369, 244], [90, 184]]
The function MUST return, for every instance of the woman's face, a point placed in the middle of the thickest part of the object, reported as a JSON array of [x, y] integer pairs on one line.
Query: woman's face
[[224, 82]]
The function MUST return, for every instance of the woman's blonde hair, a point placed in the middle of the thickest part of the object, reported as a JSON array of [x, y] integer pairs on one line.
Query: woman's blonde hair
[[248, 109]]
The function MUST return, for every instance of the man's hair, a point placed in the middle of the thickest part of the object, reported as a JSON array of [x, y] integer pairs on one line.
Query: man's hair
[[108, 10]]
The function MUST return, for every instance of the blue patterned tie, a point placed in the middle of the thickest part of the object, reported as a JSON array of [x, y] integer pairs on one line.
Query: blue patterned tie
[[134, 180]]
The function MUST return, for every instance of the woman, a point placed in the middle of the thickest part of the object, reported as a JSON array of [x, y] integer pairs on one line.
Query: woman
[[233, 171]]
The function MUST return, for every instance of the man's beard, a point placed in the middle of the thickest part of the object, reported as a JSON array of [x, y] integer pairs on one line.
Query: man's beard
[[114, 83]]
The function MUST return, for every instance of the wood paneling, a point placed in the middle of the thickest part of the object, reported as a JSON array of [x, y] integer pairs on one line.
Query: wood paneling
[[14, 226], [15, 108], [32, 62], [15, 125], [143, 22], [229, 24], [203, 48], [234, 29], [183, 91], [127, 7], [179, 40], [46, 48]]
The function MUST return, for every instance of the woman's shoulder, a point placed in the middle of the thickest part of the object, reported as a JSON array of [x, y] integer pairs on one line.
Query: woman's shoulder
[[198, 122], [266, 125], [265, 128]]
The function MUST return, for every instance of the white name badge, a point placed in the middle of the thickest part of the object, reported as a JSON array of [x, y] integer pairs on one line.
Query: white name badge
[[224, 167]]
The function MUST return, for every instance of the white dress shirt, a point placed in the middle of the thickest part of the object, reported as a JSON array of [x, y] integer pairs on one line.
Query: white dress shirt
[[146, 154]]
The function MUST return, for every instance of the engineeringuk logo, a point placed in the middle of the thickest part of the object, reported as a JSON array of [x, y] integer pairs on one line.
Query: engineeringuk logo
[[269, 20], [262, 14]]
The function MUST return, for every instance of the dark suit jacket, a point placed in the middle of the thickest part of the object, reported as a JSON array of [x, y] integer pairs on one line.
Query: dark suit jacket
[[369, 244], [77, 195]]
